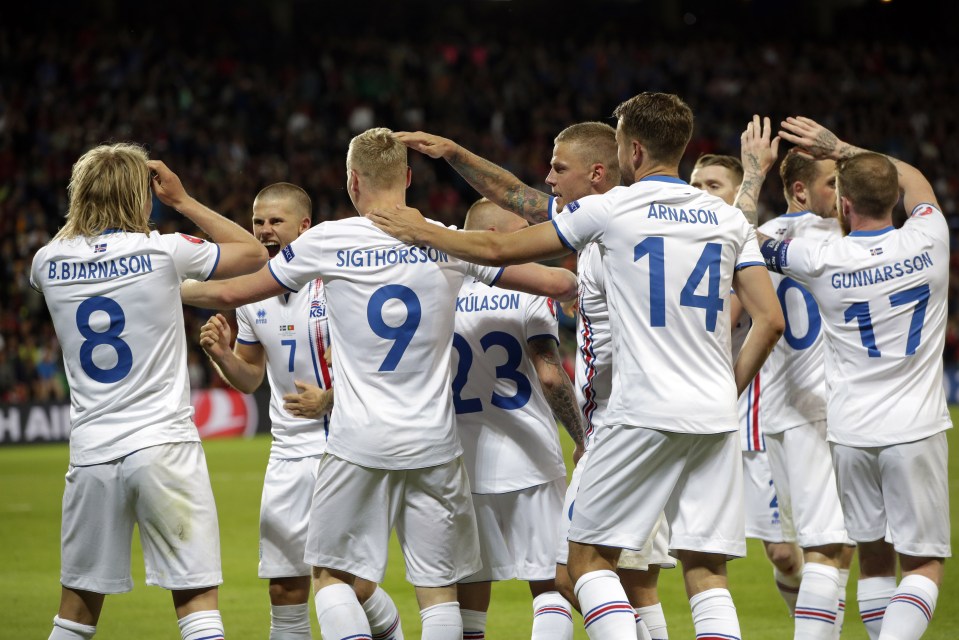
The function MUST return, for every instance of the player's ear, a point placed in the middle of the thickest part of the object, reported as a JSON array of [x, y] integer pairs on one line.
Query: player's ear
[[598, 173], [799, 192], [409, 177], [353, 183], [305, 224]]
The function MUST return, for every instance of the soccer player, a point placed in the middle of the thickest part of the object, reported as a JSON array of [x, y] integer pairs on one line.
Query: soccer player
[[584, 162], [112, 287], [287, 338], [672, 254], [508, 378], [882, 294], [722, 176], [795, 403], [393, 458]]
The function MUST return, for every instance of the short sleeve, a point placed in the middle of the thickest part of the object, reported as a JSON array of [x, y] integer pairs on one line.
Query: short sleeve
[[801, 260], [488, 275], [750, 256], [194, 258], [541, 319], [582, 221], [300, 261], [244, 328], [34, 276], [927, 219]]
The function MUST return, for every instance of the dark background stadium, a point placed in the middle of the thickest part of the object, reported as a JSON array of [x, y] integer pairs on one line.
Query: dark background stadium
[[234, 96]]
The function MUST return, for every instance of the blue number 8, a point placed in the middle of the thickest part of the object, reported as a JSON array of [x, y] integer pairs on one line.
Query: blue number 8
[[109, 337], [401, 335]]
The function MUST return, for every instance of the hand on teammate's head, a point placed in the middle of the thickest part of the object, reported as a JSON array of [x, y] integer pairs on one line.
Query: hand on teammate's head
[[426, 143]]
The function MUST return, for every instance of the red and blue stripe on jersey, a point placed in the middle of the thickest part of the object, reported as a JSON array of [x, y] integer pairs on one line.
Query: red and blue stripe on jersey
[[589, 361]]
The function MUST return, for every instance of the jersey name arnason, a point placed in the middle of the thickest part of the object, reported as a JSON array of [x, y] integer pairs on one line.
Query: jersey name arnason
[[359, 258], [469, 304], [102, 270], [690, 216], [875, 275]]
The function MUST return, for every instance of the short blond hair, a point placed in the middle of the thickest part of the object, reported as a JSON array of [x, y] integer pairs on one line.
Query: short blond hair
[[662, 123], [379, 157], [300, 203], [109, 189], [596, 144]]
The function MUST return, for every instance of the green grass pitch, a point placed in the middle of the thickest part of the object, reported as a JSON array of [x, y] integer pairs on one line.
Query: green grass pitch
[[31, 486]]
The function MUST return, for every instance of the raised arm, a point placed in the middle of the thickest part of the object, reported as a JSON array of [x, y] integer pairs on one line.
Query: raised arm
[[820, 142], [755, 291], [232, 293], [244, 366], [539, 242], [558, 390], [240, 252], [490, 180], [759, 152]]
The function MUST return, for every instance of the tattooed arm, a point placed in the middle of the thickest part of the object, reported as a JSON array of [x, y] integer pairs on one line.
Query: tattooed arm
[[490, 180], [820, 142], [558, 389], [759, 155]]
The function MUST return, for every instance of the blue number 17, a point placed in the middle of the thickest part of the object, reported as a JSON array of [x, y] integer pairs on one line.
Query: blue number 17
[[860, 311]]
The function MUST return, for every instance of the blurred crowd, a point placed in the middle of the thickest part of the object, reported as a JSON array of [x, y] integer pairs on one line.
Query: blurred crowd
[[234, 108]]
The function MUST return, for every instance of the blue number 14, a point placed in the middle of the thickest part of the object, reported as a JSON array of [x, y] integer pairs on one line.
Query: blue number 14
[[708, 264]]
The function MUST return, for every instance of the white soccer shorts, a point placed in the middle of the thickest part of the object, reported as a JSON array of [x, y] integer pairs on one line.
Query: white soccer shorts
[[355, 508], [801, 465], [760, 500], [285, 515], [635, 473], [516, 535], [654, 552], [904, 487], [164, 490]]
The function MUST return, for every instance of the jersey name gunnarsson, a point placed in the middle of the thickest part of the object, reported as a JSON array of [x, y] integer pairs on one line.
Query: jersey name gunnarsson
[[885, 339]]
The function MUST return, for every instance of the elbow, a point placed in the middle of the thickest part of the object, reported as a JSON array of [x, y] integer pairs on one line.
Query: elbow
[[777, 325], [565, 287]]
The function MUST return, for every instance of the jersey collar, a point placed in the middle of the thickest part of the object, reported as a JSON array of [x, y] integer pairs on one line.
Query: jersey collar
[[796, 214], [868, 234], [655, 178]]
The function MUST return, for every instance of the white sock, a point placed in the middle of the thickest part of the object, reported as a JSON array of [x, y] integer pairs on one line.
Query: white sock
[[442, 622], [339, 613], [841, 610], [910, 609], [552, 618], [64, 629], [474, 624], [817, 602], [873, 595], [655, 621], [290, 622], [642, 631], [714, 615], [201, 625], [606, 611], [788, 586], [383, 616]]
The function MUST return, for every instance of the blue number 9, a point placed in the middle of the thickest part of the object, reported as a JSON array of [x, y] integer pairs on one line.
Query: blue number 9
[[402, 334]]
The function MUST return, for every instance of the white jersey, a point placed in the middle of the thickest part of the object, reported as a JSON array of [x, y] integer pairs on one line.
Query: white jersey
[[594, 342], [509, 435], [669, 253], [751, 401], [292, 330], [115, 304], [882, 295], [391, 319], [795, 374]]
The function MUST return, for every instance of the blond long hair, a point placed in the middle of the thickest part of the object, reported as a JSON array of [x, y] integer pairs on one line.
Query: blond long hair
[[109, 189]]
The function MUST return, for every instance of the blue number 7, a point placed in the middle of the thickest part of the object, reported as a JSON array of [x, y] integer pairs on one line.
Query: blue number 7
[[292, 345]]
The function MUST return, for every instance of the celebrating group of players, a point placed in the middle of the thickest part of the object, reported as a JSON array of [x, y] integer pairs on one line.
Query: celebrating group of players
[[446, 385]]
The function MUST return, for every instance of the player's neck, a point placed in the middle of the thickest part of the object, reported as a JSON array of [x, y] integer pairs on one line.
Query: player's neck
[[862, 223], [656, 169], [383, 201]]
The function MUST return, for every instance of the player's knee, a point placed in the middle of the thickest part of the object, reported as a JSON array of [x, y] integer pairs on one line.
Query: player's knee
[[784, 556]]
